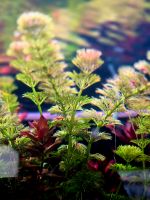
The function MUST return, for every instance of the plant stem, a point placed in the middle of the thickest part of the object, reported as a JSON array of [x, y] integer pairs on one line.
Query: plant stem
[[58, 97], [38, 104], [89, 148], [114, 109], [70, 128]]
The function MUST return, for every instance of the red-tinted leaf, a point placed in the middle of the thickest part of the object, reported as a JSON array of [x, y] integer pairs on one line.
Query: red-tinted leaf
[[125, 133], [29, 134], [41, 128], [93, 165], [108, 166], [52, 146], [41, 136]]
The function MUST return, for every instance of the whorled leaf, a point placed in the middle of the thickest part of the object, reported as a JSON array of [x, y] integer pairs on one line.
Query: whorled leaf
[[60, 134], [72, 102], [122, 167], [96, 135], [97, 156], [37, 98], [84, 81], [108, 105], [142, 143], [143, 124], [27, 80], [55, 110], [139, 104], [92, 114], [143, 158], [128, 152], [11, 101]]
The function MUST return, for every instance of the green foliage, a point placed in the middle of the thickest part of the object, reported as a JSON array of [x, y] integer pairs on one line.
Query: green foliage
[[27, 80], [102, 136], [96, 135], [7, 84], [37, 98], [67, 140], [97, 156], [143, 124], [82, 81], [116, 197], [142, 143], [7, 88], [122, 167], [128, 152], [10, 126], [68, 103], [11, 101], [110, 99], [143, 158], [71, 162], [83, 185], [134, 87], [21, 143], [136, 157], [25, 67]]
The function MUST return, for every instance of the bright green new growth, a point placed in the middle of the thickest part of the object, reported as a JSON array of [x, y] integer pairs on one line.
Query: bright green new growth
[[7, 88], [128, 152], [143, 123], [10, 126]]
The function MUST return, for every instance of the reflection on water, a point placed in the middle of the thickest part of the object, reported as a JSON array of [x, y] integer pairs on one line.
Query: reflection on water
[[136, 183], [9, 161]]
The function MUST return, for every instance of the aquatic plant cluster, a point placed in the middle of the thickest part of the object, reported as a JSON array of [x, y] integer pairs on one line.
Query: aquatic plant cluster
[[57, 158]]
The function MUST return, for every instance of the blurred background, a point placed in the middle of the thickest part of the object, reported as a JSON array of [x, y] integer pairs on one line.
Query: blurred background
[[119, 28]]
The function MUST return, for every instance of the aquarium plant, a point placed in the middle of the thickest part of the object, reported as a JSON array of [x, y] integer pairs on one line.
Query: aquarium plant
[[56, 156]]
